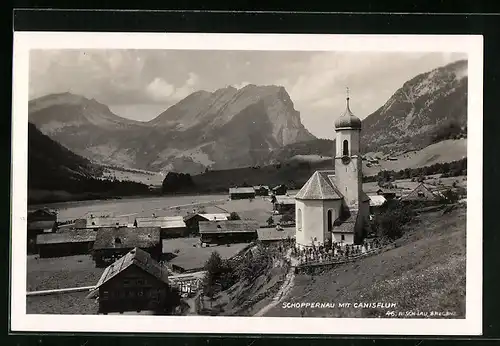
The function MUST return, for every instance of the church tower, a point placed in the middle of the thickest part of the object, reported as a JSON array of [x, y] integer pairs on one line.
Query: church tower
[[348, 161]]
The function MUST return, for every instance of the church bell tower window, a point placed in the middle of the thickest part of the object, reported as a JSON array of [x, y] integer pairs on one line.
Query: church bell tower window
[[345, 148]]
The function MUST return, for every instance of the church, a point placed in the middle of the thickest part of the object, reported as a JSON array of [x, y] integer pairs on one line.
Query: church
[[331, 207]]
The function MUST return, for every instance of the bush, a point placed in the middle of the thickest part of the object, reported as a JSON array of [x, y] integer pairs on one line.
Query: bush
[[256, 264], [220, 275], [270, 221], [234, 216], [389, 222]]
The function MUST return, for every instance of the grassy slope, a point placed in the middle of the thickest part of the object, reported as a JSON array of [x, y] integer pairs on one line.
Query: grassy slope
[[425, 273]]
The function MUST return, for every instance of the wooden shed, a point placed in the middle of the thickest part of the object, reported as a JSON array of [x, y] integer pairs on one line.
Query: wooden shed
[[170, 226], [34, 229], [241, 193], [230, 231], [192, 220], [112, 243], [67, 243]]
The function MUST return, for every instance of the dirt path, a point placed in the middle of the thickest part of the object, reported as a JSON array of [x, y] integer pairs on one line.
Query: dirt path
[[284, 289]]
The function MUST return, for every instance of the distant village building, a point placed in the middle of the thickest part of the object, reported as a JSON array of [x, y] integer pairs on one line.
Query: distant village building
[[171, 226], [389, 194], [421, 194], [284, 204], [193, 220], [226, 232], [95, 222], [241, 193], [112, 243], [67, 243], [43, 214], [270, 236], [280, 190], [36, 228], [332, 206], [376, 202], [261, 190], [135, 282]]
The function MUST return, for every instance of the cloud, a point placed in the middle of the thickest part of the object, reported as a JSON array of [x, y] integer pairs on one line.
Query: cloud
[[160, 90], [241, 85]]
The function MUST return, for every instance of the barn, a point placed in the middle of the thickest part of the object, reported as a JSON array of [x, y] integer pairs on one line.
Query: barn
[[192, 220], [261, 190], [93, 222], [34, 229], [135, 283], [170, 226], [280, 190], [67, 243], [421, 195], [241, 193], [113, 242], [227, 232], [43, 214], [284, 204]]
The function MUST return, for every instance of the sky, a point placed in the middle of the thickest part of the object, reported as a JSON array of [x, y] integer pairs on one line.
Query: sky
[[140, 84]]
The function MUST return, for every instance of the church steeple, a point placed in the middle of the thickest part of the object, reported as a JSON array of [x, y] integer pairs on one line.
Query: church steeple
[[348, 119]]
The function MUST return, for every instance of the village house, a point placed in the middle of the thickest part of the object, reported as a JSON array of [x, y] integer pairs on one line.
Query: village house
[[279, 190], [67, 243], [241, 193], [261, 190], [389, 194], [226, 232], [113, 242], [284, 204], [376, 202], [135, 282], [192, 220], [332, 207], [43, 214], [422, 195], [170, 226], [94, 222], [275, 236], [36, 228]]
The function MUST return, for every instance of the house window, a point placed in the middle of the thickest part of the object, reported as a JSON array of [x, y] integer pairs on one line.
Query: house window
[[126, 282], [420, 194], [342, 237], [141, 282], [299, 219], [345, 147], [105, 295]]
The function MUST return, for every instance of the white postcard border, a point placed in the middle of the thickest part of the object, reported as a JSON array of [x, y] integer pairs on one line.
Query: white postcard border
[[25, 41]]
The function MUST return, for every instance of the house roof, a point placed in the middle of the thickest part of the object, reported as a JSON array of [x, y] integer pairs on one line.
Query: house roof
[[143, 237], [377, 200], [258, 187], [280, 186], [241, 190], [215, 217], [228, 226], [162, 222], [105, 221], [346, 224], [285, 200], [320, 186], [269, 234], [41, 225], [420, 193], [42, 212], [140, 259], [69, 236]]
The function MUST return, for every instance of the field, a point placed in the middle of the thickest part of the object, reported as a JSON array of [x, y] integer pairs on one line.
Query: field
[[425, 272]]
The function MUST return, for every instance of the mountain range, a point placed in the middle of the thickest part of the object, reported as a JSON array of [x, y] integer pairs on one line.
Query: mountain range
[[254, 125]]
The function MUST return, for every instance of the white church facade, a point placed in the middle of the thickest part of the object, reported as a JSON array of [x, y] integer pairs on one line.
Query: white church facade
[[331, 206]]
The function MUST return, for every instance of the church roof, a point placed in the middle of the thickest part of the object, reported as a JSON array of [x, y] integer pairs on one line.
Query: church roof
[[348, 119], [320, 186]]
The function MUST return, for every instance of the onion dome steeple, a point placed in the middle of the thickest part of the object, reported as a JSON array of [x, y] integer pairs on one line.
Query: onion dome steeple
[[348, 120]]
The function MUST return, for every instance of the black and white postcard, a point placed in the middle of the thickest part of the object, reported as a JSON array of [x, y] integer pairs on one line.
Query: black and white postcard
[[243, 183]]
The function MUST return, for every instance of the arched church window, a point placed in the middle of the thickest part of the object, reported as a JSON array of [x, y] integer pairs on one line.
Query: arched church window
[[299, 219], [330, 220], [345, 147]]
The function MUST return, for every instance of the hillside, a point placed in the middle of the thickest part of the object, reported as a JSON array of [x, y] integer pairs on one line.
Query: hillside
[[426, 272], [409, 119], [225, 129]]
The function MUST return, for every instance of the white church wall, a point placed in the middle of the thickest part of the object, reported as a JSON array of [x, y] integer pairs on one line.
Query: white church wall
[[335, 206], [348, 238], [312, 223], [299, 222]]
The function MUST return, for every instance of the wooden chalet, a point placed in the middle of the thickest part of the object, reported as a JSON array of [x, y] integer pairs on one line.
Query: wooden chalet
[[113, 242], [170, 226], [192, 220], [135, 283], [280, 190], [421, 194], [67, 243], [94, 222], [34, 229], [241, 193], [275, 236], [230, 231], [261, 190], [284, 204], [43, 214]]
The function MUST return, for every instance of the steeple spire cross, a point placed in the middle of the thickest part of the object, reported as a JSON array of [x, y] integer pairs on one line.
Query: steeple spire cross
[[347, 92]]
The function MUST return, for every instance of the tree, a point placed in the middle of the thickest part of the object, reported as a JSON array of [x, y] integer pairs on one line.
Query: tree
[[287, 218], [234, 216], [390, 222], [270, 221]]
